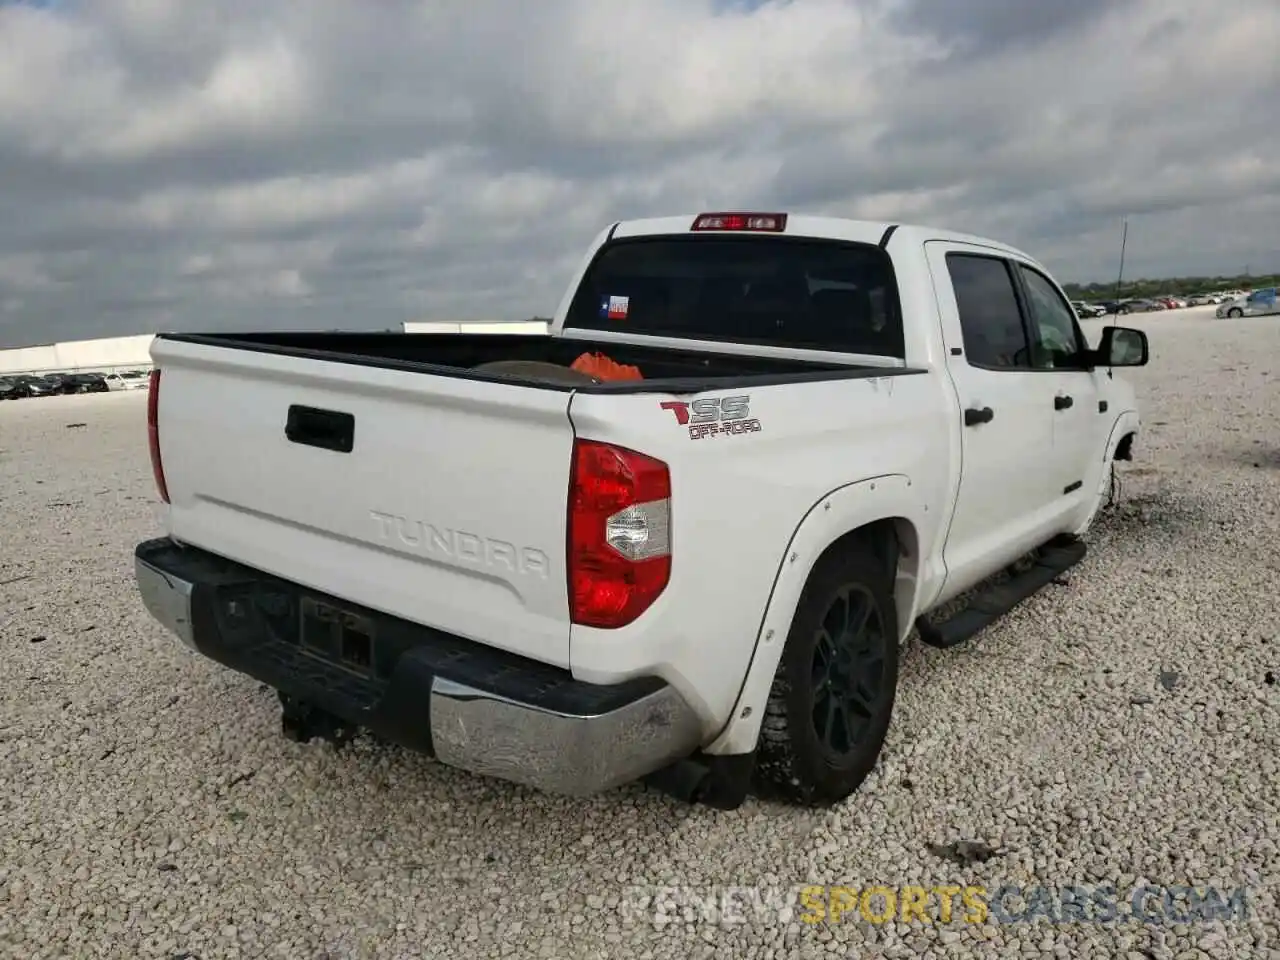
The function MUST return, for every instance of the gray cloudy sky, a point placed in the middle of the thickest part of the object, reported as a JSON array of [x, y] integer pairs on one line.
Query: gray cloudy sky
[[167, 164]]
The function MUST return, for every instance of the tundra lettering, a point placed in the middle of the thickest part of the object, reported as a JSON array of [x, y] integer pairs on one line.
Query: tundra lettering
[[458, 545]]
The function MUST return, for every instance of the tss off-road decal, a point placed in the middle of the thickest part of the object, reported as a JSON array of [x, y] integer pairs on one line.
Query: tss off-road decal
[[714, 416]]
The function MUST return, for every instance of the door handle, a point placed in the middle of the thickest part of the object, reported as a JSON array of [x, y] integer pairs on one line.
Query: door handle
[[973, 416], [1062, 403], [326, 429]]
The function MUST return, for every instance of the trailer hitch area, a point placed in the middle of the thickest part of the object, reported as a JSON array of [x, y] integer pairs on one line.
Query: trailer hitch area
[[302, 722]]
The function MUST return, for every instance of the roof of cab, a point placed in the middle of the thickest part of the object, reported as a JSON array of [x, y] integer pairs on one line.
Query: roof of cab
[[826, 228]]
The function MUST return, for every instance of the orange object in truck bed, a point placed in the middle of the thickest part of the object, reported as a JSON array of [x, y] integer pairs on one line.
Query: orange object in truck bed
[[598, 365]]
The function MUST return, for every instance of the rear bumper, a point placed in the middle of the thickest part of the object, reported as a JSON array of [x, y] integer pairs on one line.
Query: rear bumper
[[469, 705]]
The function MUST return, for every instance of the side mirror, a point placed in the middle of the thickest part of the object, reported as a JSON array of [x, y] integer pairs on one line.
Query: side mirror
[[1122, 347]]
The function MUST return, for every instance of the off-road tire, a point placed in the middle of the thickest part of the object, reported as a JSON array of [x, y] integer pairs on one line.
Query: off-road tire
[[791, 754]]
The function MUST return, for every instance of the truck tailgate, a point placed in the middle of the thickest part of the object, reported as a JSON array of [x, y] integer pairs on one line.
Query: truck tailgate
[[449, 509]]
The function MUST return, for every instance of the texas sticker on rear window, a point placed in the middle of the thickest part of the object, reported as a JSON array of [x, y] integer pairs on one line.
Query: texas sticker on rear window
[[615, 308]]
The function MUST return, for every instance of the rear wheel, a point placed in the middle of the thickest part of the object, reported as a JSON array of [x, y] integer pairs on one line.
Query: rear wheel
[[832, 698]]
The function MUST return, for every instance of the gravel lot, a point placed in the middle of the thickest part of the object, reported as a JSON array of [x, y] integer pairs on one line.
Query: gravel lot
[[1121, 728]]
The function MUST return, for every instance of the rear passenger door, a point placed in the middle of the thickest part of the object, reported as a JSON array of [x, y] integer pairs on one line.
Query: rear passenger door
[[1009, 494]]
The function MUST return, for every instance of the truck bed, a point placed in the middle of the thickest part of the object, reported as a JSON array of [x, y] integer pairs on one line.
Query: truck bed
[[664, 369]]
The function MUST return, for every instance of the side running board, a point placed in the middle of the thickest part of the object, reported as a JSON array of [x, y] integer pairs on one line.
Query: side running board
[[989, 605]]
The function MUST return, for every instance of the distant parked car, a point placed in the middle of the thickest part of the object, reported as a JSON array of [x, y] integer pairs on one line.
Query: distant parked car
[[38, 386], [1086, 311], [1138, 305], [59, 380], [11, 389], [126, 381], [77, 382], [1260, 303], [86, 383], [1200, 300]]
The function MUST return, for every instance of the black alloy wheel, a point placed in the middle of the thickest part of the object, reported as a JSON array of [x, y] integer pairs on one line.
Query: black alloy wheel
[[832, 698], [848, 670]]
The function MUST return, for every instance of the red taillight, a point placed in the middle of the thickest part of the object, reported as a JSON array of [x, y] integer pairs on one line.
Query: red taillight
[[153, 433], [749, 222], [619, 534]]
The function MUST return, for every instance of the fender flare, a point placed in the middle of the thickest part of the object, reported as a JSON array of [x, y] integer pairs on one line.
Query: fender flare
[[1128, 422], [839, 512]]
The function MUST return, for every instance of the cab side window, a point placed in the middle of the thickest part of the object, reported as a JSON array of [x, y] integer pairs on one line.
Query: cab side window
[[995, 337], [1059, 343]]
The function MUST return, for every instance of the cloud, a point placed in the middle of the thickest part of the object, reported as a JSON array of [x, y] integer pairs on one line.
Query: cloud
[[322, 163], [983, 27], [23, 272]]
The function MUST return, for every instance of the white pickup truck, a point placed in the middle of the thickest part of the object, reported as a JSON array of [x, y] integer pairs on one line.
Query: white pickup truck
[[696, 572]]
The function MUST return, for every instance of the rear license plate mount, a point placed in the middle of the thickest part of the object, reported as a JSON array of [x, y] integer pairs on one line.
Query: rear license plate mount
[[337, 635]]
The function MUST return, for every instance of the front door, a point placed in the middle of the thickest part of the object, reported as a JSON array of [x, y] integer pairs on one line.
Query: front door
[[1059, 352]]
